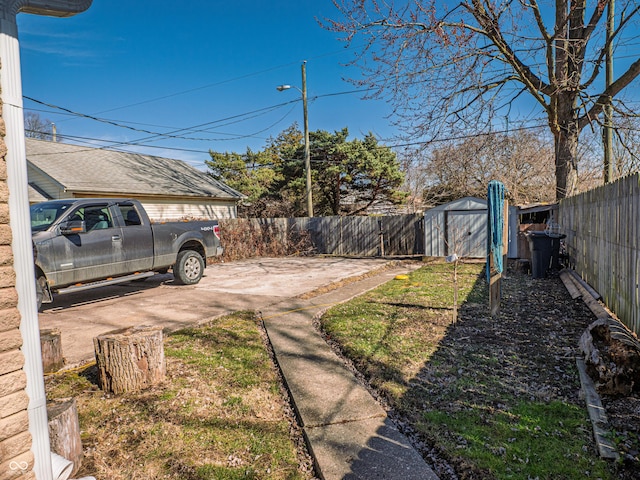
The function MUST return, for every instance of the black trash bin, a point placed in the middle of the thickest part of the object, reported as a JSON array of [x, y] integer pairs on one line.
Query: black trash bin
[[545, 252], [540, 245], [555, 251]]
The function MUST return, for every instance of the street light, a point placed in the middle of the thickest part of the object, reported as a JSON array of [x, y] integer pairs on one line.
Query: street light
[[307, 154]]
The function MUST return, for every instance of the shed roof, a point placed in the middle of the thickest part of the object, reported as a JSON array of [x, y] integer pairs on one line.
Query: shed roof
[[94, 170], [465, 203], [537, 208]]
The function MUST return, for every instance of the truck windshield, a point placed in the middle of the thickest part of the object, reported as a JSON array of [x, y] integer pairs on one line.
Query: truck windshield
[[44, 214]]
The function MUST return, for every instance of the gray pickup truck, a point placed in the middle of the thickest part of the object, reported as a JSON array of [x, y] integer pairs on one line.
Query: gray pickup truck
[[85, 243]]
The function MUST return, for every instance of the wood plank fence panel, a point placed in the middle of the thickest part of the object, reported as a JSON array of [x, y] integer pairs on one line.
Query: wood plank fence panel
[[602, 227], [339, 235], [369, 236]]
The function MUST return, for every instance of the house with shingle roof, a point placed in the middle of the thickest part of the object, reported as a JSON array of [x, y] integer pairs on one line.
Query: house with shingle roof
[[169, 189]]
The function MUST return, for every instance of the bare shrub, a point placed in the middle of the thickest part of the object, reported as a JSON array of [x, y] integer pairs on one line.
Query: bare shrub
[[250, 237]]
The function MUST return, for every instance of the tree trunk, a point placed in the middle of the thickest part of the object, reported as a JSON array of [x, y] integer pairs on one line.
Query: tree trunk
[[566, 160], [64, 431], [130, 359], [51, 345]]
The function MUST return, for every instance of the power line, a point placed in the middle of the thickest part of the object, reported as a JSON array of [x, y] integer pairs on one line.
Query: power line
[[239, 118], [193, 129], [160, 134], [114, 144]]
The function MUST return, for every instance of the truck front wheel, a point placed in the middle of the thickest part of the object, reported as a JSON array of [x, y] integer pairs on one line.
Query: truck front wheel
[[189, 268]]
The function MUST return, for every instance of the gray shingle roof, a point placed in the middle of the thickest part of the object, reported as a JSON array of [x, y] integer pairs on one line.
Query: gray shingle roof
[[95, 170]]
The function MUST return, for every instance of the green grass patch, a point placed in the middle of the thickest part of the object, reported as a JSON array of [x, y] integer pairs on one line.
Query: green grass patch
[[531, 440], [391, 331]]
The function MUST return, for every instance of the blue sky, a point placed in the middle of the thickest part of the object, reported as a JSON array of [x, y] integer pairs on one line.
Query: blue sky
[[166, 66]]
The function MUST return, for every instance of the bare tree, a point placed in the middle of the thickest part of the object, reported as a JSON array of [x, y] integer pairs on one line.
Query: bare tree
[[522, 161], [416, 178], [448, 70], [36, 127], [626, 147]]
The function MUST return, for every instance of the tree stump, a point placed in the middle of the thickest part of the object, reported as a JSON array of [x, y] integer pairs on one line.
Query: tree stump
[[51, 345], [130, 359], [64, 430]]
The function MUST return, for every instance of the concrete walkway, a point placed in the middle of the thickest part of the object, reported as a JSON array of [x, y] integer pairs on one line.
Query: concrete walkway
[[347, 431]]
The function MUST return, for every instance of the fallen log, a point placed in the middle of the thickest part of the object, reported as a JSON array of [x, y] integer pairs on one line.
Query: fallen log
[[612, 357]]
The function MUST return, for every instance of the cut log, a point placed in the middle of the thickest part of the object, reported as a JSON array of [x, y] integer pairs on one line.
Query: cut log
[[612, 357], [51, 345], [130, 359], [64, 431]]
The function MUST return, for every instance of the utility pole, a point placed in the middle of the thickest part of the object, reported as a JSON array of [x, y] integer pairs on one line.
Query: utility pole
[[607, 132], [307, 152]]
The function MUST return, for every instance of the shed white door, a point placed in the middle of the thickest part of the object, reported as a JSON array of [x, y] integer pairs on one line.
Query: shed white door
[[467, 233]]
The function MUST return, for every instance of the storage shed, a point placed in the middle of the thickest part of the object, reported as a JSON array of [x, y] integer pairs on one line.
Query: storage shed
[[460, 227]]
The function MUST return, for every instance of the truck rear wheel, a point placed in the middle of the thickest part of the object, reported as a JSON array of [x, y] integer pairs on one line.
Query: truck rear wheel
[[189, 268]]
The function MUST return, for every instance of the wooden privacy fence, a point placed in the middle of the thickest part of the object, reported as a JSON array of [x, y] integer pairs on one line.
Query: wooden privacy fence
[[367, 236], [602, 228], [361, 236]]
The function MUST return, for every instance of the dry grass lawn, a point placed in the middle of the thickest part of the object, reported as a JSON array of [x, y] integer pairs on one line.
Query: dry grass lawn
[[221, 413]]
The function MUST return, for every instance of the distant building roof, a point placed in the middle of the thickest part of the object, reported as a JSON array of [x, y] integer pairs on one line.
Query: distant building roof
[[36, 194], [537, 208], [81, 169]]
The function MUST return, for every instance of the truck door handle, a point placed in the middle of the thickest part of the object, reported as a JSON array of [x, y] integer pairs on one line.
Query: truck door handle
[[115, 238]]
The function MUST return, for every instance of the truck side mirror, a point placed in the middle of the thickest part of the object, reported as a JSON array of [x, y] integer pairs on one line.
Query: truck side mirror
[[73, 227]]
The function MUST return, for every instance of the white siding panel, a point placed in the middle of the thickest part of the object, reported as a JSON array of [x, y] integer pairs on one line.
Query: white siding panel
[[46, 183], [513, 233], [176, 210], [434, 245]]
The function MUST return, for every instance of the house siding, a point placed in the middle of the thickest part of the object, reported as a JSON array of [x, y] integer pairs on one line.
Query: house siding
[[16, 458], [170, 188], [52, 188], [178, 209]]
